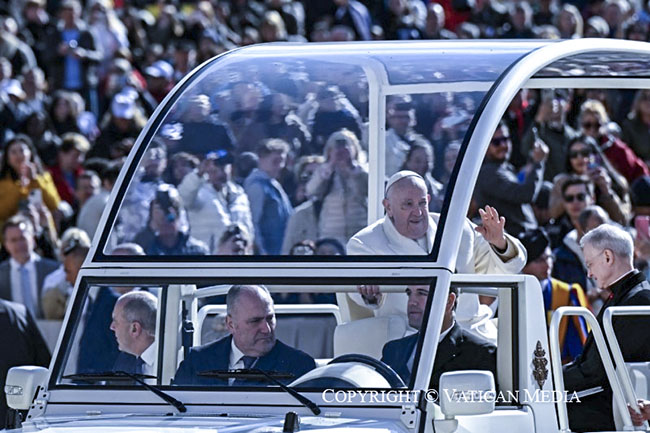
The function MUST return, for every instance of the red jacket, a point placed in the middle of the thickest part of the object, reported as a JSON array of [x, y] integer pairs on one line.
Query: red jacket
[[65, 189], [623, 158]]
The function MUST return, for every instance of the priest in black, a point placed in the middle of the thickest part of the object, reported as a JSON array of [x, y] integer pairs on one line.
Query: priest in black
[[608, 252]]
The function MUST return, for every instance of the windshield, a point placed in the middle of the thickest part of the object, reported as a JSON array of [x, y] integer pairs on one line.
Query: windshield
[[220, 335]]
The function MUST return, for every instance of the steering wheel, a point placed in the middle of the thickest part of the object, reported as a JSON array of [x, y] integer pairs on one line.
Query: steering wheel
[[385, 370]]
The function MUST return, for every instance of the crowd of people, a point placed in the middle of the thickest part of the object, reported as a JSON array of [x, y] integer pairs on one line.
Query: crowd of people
[[246, 163]]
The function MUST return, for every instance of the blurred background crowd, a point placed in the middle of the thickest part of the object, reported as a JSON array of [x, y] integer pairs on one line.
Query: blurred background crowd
[[288, 173]]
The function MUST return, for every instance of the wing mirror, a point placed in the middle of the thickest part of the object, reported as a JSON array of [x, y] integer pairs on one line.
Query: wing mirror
[[21, 385], [470, 392]]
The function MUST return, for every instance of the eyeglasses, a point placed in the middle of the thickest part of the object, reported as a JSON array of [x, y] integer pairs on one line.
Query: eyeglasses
[[570, 198], [590, 125], [580, 153], [499, 141]]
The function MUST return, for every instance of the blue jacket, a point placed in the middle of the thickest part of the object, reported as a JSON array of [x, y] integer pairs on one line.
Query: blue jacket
[[216, 356], [270, 208]]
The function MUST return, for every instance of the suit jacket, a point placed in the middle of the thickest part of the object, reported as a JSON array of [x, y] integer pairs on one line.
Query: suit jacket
[[216, 356], [125, 362], [587, 370], [43, 268], [98, 346], [23, 345], [459, 350]]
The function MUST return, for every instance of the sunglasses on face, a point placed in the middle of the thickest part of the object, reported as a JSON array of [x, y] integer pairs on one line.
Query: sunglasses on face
[[570, 198], [499, 141], [590, 125], [585, 153]]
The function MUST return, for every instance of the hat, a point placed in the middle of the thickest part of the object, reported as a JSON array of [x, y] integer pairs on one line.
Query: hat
[[535, 241], [123, 106], [13, 88], [160, 69], [399, 176], [220, 156], [640, 191]]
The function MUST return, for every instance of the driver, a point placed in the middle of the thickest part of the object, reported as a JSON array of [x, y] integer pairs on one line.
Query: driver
[[458, 349], [252, 344]]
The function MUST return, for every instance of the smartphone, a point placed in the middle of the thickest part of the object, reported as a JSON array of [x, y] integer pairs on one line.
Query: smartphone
[[642, 226]]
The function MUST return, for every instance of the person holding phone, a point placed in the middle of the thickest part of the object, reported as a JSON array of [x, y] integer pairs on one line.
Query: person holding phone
[[21, 175], [585, 159]]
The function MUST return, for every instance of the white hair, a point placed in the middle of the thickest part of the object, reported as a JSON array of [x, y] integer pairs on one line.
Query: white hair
[[611, 237]]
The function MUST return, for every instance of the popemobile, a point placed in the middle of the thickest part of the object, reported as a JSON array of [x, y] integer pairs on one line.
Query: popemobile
[[267, 361]]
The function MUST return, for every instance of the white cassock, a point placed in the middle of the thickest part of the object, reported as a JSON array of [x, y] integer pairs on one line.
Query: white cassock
[[475, 255]]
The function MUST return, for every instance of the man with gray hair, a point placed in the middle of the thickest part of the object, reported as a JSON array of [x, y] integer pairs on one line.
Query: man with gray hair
[[608, 252], [134, 325], [251, 343]]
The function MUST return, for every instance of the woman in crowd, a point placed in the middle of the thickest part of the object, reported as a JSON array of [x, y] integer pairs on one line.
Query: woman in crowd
[[585, 159], [342, 185], [23, 179], [594, 121]]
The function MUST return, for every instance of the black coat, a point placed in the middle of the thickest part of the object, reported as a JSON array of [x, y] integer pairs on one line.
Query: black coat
[[587, 371], [459, 350], [23, 345], [216, 356], [98, 346]]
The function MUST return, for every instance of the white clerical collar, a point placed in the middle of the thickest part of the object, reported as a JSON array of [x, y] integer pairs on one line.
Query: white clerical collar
[[621, 277]]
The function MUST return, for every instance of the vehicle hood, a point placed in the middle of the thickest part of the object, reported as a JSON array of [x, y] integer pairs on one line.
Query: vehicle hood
[[216, 424]]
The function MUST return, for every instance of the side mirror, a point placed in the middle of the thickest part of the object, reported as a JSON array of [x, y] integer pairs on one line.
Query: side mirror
[[21, 385], [470, 392]]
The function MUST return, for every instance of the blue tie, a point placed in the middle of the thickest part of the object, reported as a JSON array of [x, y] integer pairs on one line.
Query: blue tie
[[139, 366], [26, 286], [248, 361]]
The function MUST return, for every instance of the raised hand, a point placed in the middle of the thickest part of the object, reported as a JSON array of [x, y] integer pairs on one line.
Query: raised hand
[[492, 227]]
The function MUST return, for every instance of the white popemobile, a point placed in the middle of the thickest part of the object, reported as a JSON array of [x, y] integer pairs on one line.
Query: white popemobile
[[465, 87]]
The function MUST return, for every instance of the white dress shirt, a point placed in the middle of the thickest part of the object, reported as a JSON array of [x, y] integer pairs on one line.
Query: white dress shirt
[[16, 283], [149, 358], [236, 362]]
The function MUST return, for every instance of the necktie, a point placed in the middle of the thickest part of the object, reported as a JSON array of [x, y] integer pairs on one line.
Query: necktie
[[139, 366], [26, 287], [248, 361]]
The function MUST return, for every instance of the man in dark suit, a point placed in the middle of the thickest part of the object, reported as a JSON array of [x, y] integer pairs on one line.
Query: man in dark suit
[[22, 275], [22, 343], [134, 325], [608, 252], [458, 349], [252, 343]]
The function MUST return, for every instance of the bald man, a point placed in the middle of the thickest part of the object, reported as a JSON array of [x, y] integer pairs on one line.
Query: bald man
[[250, 318], [409, 229]]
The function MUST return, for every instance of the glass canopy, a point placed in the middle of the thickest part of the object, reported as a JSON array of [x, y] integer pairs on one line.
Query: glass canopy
[[284, 149]]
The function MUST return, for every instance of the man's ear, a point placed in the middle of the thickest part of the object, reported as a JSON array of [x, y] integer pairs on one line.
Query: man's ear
[[451, 301], [136, 328], [609, 256], [386, 204], [229, 323]]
